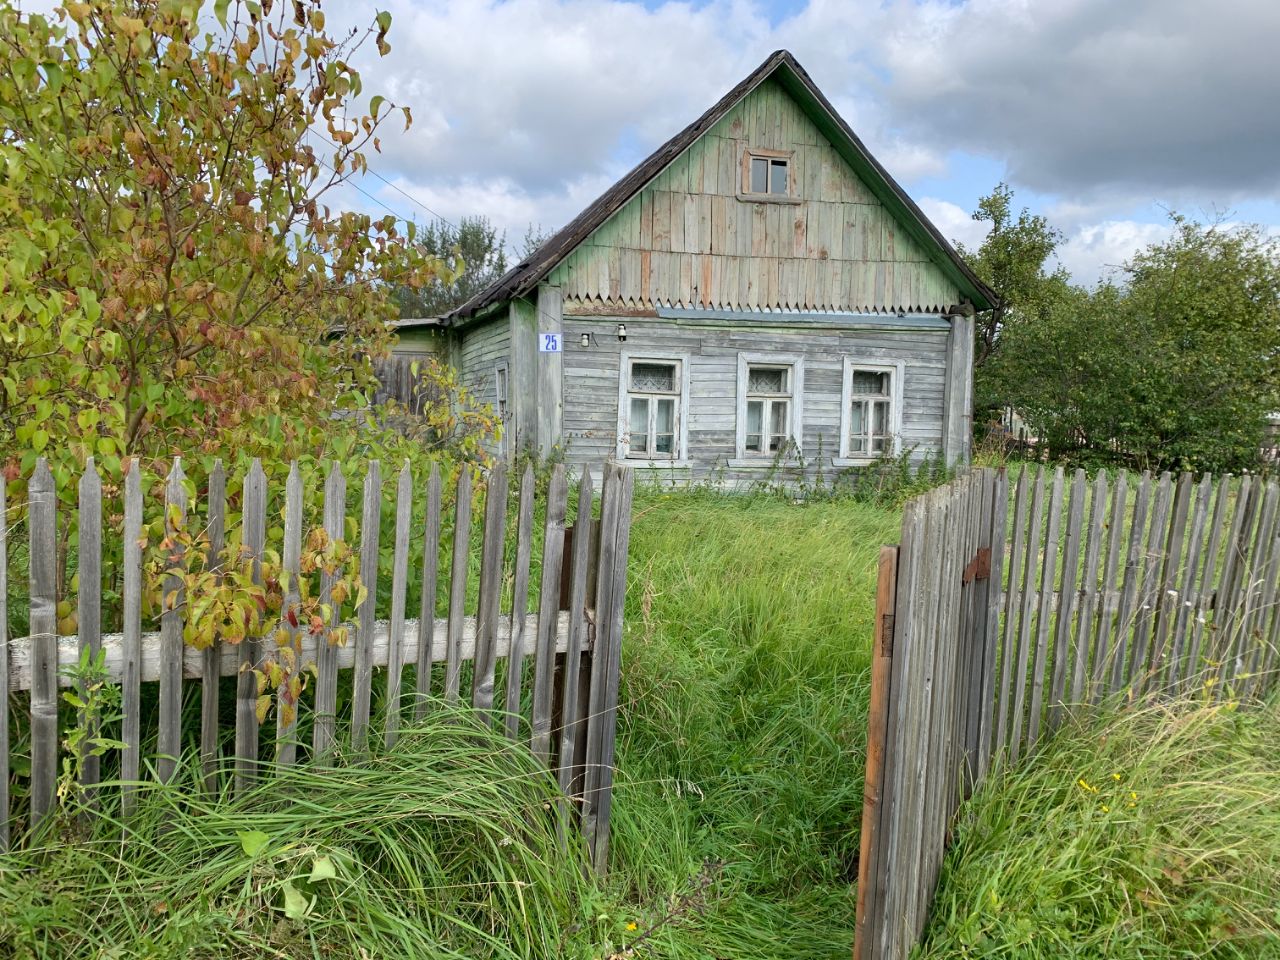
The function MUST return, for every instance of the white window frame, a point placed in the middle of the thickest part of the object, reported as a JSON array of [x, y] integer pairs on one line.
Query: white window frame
[[680, 456], [795, 424], [897, 370]]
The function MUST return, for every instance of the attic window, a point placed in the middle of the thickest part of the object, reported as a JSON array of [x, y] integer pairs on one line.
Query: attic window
[[766, 174]]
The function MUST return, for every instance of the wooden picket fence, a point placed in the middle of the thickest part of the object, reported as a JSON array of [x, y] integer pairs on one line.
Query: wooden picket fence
[[573, 634], [993, 623]]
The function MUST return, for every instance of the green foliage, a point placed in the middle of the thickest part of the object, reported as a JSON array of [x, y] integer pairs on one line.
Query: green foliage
[[1175, 369], [171, 268], [477, 252], [1152, 834]]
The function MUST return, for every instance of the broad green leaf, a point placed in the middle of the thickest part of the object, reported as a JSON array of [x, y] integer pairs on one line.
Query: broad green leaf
[[252, 842], [296, 905], [322, 868]]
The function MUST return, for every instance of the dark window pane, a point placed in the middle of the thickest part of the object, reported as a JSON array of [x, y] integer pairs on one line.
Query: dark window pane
[[778, 177], [664, 443], [766, 380], [653, 377], [759, 175], [865, 381]]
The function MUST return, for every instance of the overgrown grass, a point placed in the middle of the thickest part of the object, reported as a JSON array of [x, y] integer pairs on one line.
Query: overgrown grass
[[1153, 834], [743, 730]]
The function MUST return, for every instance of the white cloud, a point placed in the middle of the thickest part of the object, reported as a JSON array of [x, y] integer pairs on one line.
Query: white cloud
[[1097, 251], [955, 222]]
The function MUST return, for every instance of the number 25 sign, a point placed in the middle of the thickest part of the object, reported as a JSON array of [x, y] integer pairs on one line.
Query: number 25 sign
[[550, 343]]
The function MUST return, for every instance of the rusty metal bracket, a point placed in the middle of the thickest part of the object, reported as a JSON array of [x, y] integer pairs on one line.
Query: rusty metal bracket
[[979, 567]]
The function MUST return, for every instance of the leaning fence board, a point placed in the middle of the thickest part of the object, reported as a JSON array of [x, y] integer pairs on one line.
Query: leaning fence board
[[1030, 574], [89, 594], [216, 524], [254, 509], [1152, 563], [427, 606], [131, 641], [999, 512], [1257, 590], [1165, 601], [4, 670], [172, 603], [291, 562], [1129, 592], [42, 524], [1110, 587], [1048, 567], [544, 664], [491, 551], [1196, 668], [326, 657], [1012, 603], [574, 727], [362, 681], [517, 639], [1185, 598], [458, 585], [1224, 598], [399, 584], [1068, 599], [1089, 587]]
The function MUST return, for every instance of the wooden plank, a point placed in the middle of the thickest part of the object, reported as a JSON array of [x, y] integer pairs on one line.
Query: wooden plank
[[4, 670], [1224, 595], [544, 664], [427, 606], [1205, 587], [169, 739], [611, 616], [89, 594], [216, 524], [362, 680], [518, 639], [1045, 611], [1185, 599], [399, 584], [1153, 563], [1167, 599], [869, 863], [326, 659], [131, 640], [1089, 590], [1068, 599], [974, 657], [253, 521], [573, 729], [491, 564], [42, 525], [458, 584], [1029, 569], [1012, 603], [1267, 629], [1129, 592], [999, 522], [1259, 593], [1109, 590], [291, 563]]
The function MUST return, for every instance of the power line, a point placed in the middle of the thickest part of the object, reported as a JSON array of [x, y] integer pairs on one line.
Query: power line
[[408, 196]]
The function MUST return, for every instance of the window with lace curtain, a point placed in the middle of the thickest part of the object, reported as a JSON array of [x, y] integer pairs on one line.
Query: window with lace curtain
[[652, 409], [871, 418], [770, 390]]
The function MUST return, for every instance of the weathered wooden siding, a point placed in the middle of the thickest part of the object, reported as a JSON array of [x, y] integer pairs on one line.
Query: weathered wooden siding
[[592, 373], [687, 240], [482, 348]]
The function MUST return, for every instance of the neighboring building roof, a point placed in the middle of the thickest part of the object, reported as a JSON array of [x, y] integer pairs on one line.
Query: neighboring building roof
[[410, 323], [526, 275]]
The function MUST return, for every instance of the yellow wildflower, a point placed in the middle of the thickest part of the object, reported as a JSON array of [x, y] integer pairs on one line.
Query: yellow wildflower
[[632, 925], [1086, 785]]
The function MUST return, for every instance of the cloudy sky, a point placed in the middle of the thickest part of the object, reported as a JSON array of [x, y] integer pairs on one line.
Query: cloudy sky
[[1102, 115]]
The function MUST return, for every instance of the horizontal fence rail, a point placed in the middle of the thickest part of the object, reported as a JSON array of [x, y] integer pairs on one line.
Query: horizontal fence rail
[[545, 671], [995, 620]]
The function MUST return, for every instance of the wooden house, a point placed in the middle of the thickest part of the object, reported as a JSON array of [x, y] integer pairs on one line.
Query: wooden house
[[757, 292]]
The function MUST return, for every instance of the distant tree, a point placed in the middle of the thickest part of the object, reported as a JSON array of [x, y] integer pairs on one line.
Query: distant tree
[[534, 237], [1176, 368], [474, 246]]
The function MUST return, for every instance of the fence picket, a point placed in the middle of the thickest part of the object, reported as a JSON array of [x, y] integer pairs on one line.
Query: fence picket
[[89, 594], [1206, 584], [1068, 599], [491, 565], [169, 741], [1165, 601], [573, 728], [427, 607], [1028, 599], [1012, 603], [291, 563], [518, 641], [1129, 592], [1258, 590], [216, 523], [999, 518], [253, 540], [458, 585], [42, 524], [1045, 608], [1089, 589], [131, 643], [1224, 594], [1153, 559], [399, 584], [1187, 585], [544, 659], [326, 700], [362, 678]]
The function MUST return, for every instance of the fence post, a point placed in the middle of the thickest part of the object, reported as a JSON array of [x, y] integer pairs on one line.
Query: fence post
[[869, 864], [89, 594], [253, 513], [42, 524]]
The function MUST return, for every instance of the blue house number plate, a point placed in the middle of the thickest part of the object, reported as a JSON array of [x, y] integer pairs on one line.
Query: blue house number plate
[[550, 343]]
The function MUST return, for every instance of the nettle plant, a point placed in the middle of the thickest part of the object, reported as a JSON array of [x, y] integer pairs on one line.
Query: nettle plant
[[230, 595]]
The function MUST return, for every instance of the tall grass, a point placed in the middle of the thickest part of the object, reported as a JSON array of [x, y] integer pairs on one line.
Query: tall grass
[[1153, 834]]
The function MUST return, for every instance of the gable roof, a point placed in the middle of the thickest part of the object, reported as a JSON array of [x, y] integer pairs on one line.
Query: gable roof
[[782, 66]]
